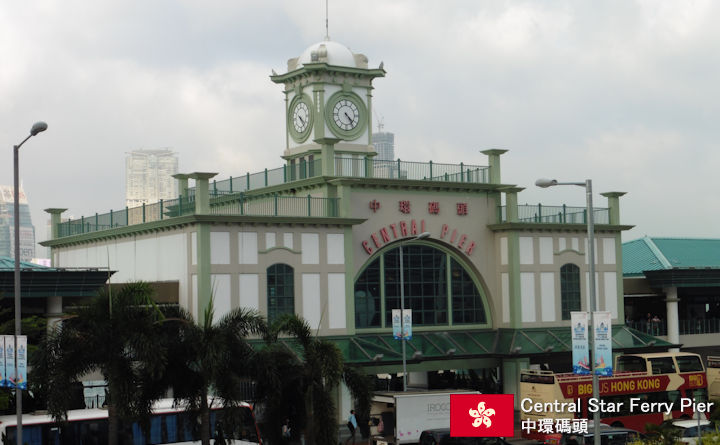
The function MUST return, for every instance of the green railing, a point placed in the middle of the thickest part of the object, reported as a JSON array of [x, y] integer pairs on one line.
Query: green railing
[[277, 205], [266, 178], [556, 214], [128, 216], [420, 171]]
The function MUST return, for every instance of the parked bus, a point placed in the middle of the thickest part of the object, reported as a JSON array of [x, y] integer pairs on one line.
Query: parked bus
[[660, 378], [169, 424], [713, 377]]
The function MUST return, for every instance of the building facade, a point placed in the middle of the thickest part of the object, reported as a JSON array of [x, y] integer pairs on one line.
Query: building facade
[[149, 176], [491, 283], [672, 290], [7, 225]]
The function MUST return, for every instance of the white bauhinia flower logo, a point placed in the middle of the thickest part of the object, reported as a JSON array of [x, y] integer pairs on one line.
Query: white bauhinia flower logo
[[482, 415]]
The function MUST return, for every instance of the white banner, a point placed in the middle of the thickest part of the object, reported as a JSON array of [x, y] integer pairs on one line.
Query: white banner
[[10, 360], [21, 381], [602, 334], [3, 373], [579, 331]]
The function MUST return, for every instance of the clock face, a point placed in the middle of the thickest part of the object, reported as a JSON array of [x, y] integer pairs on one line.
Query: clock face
[[346, 114], [301, 117]]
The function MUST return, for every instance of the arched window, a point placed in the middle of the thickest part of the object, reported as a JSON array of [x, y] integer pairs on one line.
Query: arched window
[[280, 291], [569, 289], [438, 289]]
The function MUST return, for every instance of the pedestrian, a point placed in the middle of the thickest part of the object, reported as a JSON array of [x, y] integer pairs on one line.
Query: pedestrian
[[352, 426], [286, 433]]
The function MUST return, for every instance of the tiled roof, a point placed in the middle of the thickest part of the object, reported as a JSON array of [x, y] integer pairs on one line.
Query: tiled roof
[[669, 253]]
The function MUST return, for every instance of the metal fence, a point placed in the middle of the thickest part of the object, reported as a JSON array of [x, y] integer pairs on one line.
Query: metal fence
[[419, 171], [556, 214], [686, 326], [277, 205]]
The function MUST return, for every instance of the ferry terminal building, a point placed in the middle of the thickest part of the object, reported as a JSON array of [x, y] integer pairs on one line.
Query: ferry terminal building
[[491, 289]]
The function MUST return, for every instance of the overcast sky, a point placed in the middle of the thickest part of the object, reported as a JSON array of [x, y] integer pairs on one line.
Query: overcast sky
[[624, 92]]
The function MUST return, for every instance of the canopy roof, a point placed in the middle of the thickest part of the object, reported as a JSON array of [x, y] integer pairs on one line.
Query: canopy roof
[[382, 349]]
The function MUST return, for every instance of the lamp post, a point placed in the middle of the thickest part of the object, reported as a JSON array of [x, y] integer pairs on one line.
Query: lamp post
[[402, 304], [38, 127], [544, 183]]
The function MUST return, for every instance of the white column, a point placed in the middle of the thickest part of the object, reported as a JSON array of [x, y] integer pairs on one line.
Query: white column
[[673, 322], [53, 311]]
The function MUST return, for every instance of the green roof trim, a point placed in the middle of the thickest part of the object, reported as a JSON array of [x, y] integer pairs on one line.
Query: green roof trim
[[382, 349], [651, 254]]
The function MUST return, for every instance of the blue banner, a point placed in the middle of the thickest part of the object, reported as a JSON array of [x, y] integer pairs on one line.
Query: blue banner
[[602, 322], [580, 350]]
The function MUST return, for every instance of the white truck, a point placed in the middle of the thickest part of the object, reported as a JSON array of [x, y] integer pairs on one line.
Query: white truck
[[407, 414]]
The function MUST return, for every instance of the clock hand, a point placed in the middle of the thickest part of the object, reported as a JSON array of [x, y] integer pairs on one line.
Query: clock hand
[[301, 120], [346, 115]]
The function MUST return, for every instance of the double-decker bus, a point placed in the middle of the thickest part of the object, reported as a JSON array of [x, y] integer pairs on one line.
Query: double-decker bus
[[713, 377], [662, 379], [169, 424]]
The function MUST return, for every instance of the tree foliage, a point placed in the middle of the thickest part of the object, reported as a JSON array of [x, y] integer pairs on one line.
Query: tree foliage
[[207, 359], [113, 333]]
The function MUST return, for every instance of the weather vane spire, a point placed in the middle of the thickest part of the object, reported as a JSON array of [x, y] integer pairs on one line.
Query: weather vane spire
[[327, 27]]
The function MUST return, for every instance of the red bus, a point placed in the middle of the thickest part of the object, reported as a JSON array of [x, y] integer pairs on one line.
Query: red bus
[[669, 383]]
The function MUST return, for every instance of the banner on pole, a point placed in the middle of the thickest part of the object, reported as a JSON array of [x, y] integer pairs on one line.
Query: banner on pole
[[602, 322], [579, 327], [3, 373], [10, 360], [407, 324], [21, 381], [396, 324]]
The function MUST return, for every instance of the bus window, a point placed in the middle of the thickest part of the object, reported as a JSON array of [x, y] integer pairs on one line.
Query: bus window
[[697, 394], [662, 365], [631, 363], [689, 363], [32, 435]]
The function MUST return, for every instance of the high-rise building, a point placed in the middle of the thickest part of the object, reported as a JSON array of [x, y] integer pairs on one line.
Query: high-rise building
[[7, 225], [148, 176], [384, 143]]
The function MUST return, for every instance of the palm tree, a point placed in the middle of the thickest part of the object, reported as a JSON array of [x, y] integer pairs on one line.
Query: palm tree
[[323, 369], [115, 334], [207, 359]]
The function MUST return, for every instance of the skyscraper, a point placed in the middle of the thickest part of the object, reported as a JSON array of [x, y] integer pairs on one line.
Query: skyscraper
[[7, 226], [384, 143], [148, 175]]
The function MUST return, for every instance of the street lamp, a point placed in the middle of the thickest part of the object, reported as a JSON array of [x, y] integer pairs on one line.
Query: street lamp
[[402, 304], [38, 127], [545, 183]]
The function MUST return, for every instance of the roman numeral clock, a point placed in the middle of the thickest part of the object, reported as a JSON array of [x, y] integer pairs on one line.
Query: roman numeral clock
[[328, 100]]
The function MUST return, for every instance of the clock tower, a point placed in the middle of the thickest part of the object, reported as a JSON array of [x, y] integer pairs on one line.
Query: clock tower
[[328, 105]]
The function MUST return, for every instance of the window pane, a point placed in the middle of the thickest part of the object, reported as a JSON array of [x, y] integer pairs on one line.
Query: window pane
[[569, 290], [280, 291]]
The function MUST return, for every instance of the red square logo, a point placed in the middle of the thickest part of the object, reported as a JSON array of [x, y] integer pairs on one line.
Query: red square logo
[[482, 415]]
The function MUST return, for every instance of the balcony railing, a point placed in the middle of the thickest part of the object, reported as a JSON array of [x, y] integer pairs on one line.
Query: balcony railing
[[278, 205], [556, 214], [266, 206], [686, 326]]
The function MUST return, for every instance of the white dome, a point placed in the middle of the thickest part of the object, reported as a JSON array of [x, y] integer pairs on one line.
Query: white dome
[[330, 52]]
